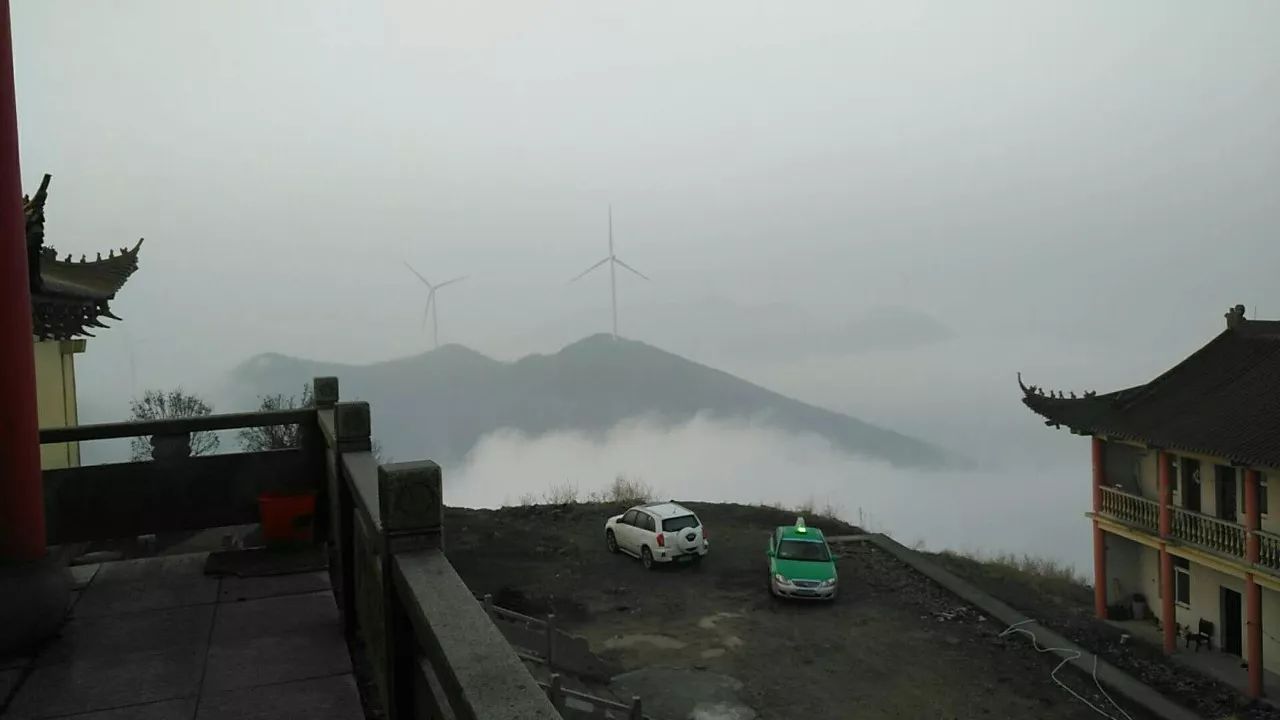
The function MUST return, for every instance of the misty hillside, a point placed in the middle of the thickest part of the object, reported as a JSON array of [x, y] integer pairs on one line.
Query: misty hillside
[[723, 331], [440, 403]]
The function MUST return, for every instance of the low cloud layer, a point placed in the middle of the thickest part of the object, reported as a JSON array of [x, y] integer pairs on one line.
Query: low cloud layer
[[1015, 509]]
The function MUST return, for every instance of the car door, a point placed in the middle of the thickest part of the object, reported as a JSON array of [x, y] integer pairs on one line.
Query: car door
[[646, 531], [624, 531]]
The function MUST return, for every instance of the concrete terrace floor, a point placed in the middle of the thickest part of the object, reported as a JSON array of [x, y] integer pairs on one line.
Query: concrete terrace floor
[[1221, 666], [157, 639]]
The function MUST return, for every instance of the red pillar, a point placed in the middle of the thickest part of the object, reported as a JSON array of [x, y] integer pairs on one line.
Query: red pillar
[[1099, 537], [1099, 472], [1253, 593], [1252, 515], [1099, 572], [1168, 615], [1253, 639], [22, 531]]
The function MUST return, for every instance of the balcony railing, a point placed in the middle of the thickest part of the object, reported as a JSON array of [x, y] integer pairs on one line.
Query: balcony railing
[[1209, 532], [1269, 550], [1132, 509], [432, 649], [1221, 536]]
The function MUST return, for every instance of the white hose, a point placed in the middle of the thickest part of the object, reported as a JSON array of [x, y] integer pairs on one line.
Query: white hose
[[1070, 654]]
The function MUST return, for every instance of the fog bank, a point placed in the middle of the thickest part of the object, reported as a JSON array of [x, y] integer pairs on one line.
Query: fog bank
[[1036, 510]]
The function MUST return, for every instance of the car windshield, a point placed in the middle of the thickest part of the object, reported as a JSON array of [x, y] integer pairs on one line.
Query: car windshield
[[676, 524], [803, 550]]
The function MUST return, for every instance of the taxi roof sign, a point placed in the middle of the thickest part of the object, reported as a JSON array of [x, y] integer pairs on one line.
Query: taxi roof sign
[[800, 525]]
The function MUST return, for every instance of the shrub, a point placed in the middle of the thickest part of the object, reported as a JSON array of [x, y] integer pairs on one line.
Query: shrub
[[625, 491]]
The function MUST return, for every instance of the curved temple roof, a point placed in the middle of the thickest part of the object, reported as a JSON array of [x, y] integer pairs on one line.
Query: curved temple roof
[[67, 296], [1223, 400]]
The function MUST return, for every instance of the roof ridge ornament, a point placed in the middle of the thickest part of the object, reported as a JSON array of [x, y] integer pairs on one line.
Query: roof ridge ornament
[[1037, 391], [69, 296], [1235, 317]]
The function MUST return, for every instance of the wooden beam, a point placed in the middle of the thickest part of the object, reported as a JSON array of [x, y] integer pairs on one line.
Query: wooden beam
[[176, 426], [99, 502]]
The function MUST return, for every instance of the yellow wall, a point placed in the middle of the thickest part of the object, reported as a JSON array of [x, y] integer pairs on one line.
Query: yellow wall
[[1126, 573], [1134, 567], [56, 397], [1205, 582], [1120, 468]]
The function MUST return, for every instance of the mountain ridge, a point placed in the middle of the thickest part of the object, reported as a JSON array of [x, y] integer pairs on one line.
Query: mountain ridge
[[440, 403]]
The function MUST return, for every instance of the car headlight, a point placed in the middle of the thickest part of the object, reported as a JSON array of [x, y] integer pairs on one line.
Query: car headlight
[[781, 580], [829, 582]]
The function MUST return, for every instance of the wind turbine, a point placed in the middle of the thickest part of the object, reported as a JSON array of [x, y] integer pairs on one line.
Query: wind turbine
[[431, 303], [614, 262]]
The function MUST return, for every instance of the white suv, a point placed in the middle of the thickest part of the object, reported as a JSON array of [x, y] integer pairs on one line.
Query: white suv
[[658, 533]]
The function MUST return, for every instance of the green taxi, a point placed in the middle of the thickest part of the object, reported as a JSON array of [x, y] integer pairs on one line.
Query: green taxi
[[800, 563]]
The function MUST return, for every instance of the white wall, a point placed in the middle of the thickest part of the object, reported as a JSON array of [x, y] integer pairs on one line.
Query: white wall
[[1130, 570], [1271, 509], [1123, 465], [1149, 467], [1147, 579], [1270, 630], [1205, 601]]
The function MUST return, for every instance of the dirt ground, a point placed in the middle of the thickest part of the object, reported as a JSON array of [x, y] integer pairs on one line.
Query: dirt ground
[[894, 645]]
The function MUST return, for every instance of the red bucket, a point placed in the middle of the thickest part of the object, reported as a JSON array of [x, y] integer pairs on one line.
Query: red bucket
[[287, 519]]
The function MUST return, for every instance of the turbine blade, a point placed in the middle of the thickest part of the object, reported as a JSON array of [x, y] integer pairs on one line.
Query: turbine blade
[[593, 267], [415, 272], [426, 312], [450, 282], [637, 272]]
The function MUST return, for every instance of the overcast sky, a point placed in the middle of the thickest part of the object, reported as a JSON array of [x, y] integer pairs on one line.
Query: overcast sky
[[1078, 190]]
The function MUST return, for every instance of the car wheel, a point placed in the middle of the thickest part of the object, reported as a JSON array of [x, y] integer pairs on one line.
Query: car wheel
[[611, 541], [646, 558]]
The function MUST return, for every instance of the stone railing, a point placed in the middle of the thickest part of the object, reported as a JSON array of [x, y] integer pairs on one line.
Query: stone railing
[[1208, 532], [1132, 509], [174, 491], [432, 649], [1268, 550]]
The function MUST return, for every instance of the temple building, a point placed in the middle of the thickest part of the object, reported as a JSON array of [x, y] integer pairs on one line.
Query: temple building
[[1181, 510], [67, 299]]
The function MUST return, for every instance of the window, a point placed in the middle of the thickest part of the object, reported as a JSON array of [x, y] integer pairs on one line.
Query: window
[[1182, 581], [630, 517], [1262, 493], [810, 550], [646, 522], [677, 524]]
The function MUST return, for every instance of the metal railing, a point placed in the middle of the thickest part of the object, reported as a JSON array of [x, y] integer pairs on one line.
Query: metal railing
[[1209, 532], [1132, 509]]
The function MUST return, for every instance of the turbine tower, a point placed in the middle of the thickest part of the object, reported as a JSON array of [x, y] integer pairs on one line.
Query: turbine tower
[[432, 304], [614, 261]]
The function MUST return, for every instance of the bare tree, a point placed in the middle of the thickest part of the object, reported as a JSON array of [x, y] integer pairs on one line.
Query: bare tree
[[168, 405], [279, 437], [276, 437]]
